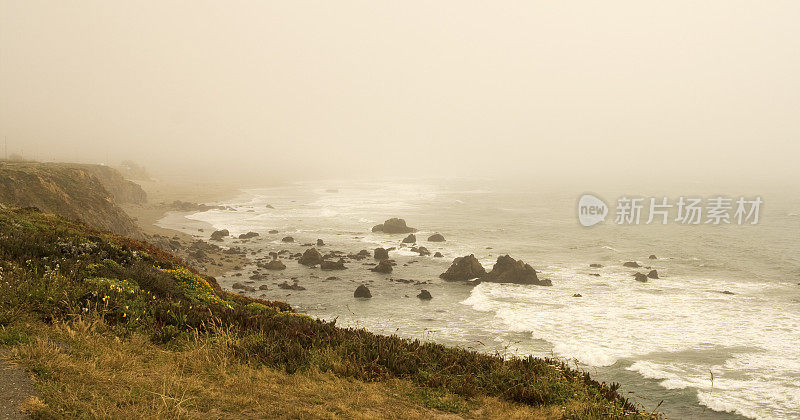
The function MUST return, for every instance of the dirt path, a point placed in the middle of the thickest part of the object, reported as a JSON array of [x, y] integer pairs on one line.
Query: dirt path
[[15, 388]]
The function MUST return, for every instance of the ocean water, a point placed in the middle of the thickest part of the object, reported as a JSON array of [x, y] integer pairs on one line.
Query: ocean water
[[677, 340]]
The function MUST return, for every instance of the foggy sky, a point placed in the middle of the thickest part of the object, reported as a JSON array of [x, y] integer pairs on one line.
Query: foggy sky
[[373, 88]]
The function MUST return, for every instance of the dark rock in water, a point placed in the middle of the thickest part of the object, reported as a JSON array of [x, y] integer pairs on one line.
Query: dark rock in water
[[640, 277], [360, 255], [198, 254], [310, 257], [393, 225], [269, 206], [509, 270], [596, 265], [410, 239], [287, 286], [287, 239], [653, 274], [594, 274], [425, 295], [248, 235], [438, 255], [384, 267], [320, 242], [631, 264], [240, 286], [258, 276], [436, 237], [332, 278], [381, 254], [333, 265], [273, 231], [577, 295], [218, 235], [726, 292], [362, 292], [464, 268], [307, 244], [275, 265], [652, 257], [263, 287], [423, 251]]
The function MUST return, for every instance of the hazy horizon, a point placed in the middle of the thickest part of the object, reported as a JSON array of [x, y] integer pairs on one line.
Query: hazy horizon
[[304, 90]]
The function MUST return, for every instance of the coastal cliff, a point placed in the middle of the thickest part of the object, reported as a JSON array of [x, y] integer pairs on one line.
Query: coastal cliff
[[89, 193]]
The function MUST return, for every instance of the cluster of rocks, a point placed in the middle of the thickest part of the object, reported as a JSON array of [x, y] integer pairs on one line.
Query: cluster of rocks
[[219, 235], [186, 206], [641, 277], [505, 270], [312, 258]]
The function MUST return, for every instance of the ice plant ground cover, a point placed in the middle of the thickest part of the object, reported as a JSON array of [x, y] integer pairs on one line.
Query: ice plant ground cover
[[111, 326]]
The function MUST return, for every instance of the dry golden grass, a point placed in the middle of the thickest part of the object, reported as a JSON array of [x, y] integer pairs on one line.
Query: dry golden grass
[[84, 370]]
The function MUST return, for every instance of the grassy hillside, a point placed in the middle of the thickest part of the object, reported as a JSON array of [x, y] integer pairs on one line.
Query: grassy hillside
[[71, 190], [112, 327]]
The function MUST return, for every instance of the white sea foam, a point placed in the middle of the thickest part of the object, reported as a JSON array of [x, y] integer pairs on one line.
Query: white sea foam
[[638, 321], [747, 340]]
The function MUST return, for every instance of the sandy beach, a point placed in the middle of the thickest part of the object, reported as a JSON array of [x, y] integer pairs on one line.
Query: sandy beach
[[161, 197]]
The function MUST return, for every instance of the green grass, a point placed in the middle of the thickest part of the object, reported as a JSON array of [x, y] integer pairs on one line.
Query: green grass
[[55, 272]]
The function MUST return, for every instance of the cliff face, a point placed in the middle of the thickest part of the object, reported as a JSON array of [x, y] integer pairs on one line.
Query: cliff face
[[73, 191], [123, 191]]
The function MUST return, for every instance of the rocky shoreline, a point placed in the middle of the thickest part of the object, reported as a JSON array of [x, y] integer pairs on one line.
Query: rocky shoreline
[[220, 253]]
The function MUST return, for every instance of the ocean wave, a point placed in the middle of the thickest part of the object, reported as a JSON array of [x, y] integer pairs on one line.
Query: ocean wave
[[629, 322]]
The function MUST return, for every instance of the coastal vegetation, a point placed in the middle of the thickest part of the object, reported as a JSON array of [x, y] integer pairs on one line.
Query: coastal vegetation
[[111, 326]]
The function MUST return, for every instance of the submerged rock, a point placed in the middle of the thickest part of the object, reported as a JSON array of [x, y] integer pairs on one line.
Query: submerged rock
[[310, 257], [727, 292], [333, 265], [393, 225], [381, 254], [320, 242], [240, 286], [631, 264], [577, 295], [287, 239], [425, 295], [464, 268], [438, 255], [653, 274], [509, 270], [293, 286], [273, 231], [423, 251], [595, 265], [248, 235], [410, 239], [640, 277], [218, 235], [384, 266], [436, 237], [362, 292], [652, 257]]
